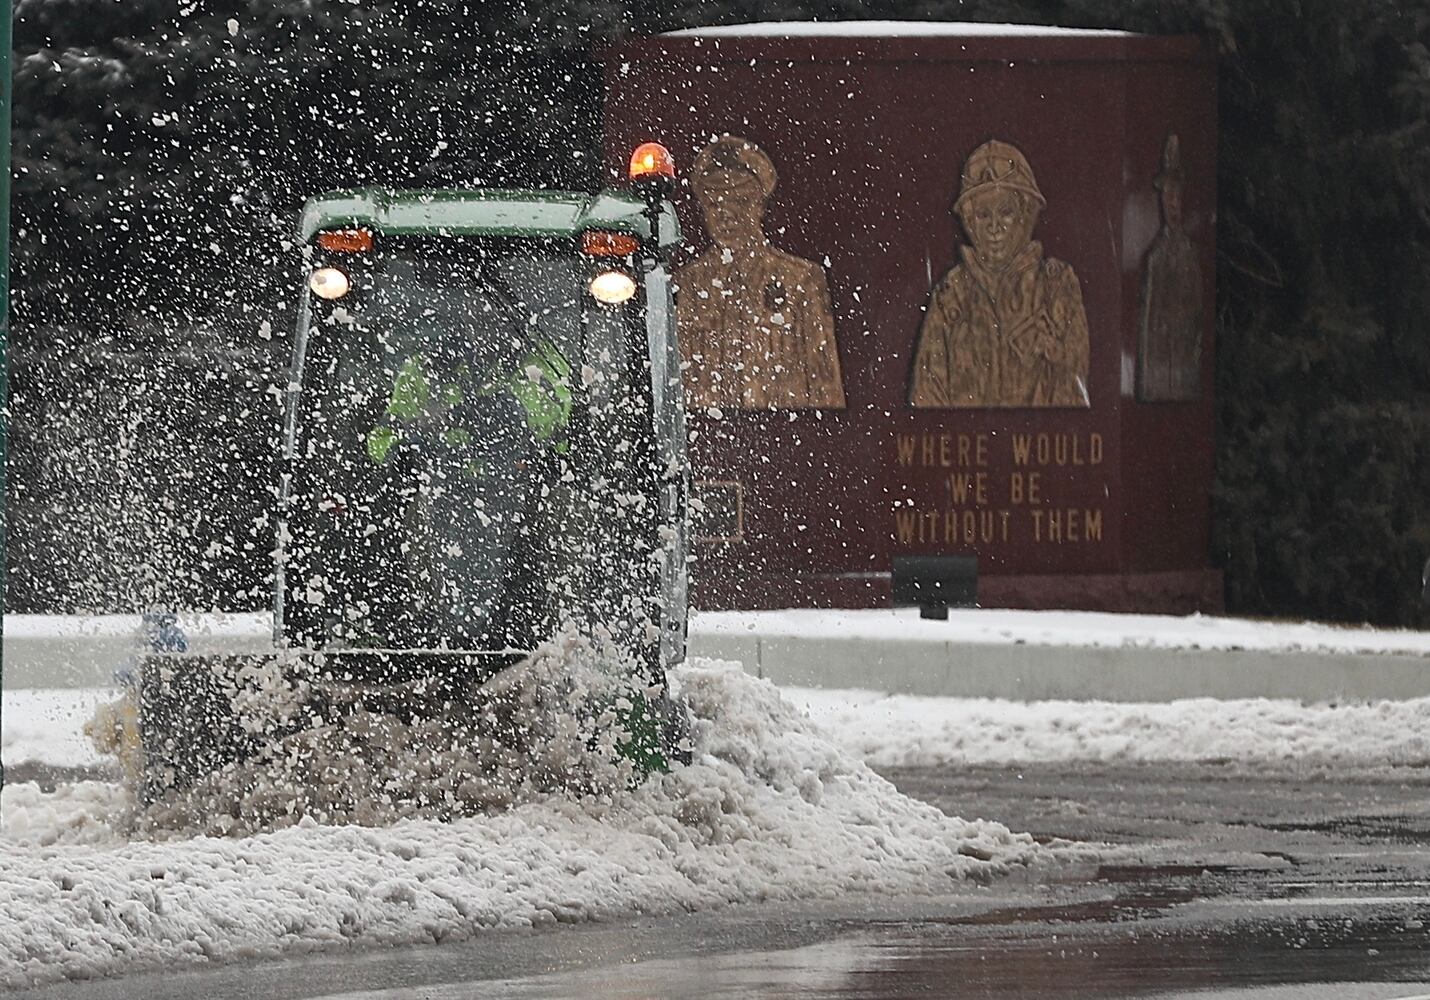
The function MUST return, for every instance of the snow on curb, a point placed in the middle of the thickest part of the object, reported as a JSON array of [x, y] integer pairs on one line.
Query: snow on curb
[[908, 731], [891, 29], [1062, 629], [770, 810]]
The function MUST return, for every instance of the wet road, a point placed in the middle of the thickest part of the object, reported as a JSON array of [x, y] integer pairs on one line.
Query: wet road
[[1220, 881]]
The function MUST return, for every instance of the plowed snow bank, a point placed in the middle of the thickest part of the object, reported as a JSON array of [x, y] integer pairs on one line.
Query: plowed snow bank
[[904, 731], [769, 810]]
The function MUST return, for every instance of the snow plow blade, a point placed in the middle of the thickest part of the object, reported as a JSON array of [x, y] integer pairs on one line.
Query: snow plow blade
[[197, 716]]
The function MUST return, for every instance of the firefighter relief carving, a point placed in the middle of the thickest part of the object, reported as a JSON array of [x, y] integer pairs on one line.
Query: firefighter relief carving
[[756, 324], [1169, 345], [1005, 326]]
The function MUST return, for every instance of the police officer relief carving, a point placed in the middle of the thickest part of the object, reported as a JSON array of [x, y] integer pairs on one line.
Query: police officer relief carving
[[1169, 346], [756, 324], [1005, 326]]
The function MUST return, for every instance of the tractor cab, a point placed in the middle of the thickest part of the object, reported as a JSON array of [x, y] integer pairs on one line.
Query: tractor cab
[[484, 431]]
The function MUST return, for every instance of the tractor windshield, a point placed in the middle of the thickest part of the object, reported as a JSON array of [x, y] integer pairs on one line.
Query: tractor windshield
[[437, 457]]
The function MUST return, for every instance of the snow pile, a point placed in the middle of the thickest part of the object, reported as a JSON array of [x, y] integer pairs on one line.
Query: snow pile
[[86, 812], [907, 731], [769, 810]]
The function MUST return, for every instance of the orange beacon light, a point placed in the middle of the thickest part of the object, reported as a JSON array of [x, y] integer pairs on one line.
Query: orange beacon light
[[652, 175], [651, 160]]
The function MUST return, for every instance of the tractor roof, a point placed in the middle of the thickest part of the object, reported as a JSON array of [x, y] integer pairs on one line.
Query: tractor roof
[[481, 211]]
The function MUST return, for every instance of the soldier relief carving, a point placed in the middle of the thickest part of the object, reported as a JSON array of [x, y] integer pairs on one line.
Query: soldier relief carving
[[1005, 326], [1169, 348], [756, 324]]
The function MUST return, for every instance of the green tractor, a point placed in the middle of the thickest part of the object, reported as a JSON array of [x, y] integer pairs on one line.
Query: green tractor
[[484, 447]]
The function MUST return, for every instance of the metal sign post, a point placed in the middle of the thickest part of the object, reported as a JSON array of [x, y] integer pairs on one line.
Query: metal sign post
[[5, 90]]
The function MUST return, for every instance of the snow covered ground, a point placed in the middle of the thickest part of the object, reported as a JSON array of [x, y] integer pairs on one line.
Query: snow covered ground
[[781, 803]]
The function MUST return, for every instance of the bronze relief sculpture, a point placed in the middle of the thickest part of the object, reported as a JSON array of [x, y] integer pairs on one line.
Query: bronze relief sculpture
[[1169, 345], [1005, 326], [756, 324]]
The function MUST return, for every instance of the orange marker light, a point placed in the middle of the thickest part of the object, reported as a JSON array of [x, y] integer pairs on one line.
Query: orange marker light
[[346, 240], [651, 159], [599, 243]]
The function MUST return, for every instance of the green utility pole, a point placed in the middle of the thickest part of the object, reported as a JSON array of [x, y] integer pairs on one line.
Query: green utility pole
[[5, 88]]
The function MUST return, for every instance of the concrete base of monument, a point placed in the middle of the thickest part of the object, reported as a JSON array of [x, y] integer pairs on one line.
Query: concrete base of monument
[[1170, 592], [1166, 592], [1035, 656]]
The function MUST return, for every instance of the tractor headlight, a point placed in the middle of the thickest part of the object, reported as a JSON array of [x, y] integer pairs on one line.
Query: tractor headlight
[[612, 287], [329, 283]]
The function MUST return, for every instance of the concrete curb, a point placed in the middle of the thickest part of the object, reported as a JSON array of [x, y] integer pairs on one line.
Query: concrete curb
[[1030, 672], [74, 651], [976, 655]]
